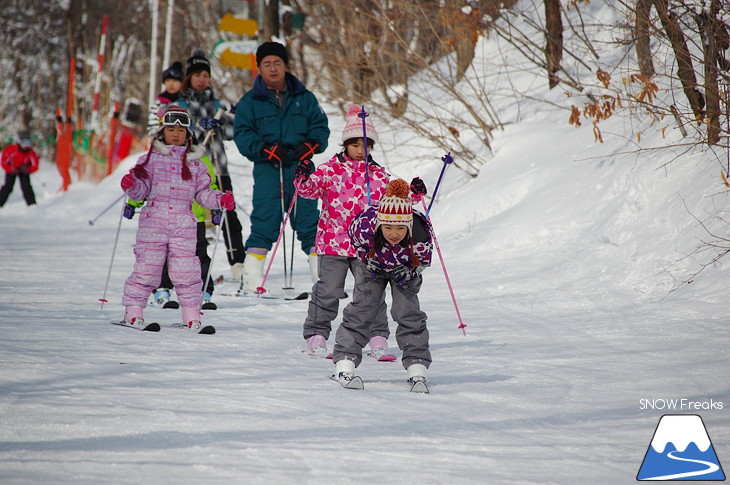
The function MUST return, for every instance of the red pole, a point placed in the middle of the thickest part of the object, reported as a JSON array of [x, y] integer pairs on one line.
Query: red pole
[[62, 151]]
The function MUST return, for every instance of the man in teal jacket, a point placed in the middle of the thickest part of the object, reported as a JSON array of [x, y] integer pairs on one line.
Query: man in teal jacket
[[278, 123]]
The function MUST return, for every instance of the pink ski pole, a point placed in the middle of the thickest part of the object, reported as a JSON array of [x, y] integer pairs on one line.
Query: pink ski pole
[[261, 290], [447, 159], [462, 325]]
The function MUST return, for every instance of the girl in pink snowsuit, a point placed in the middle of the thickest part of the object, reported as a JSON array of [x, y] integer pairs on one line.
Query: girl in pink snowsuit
[[342, 186], [170, 176]]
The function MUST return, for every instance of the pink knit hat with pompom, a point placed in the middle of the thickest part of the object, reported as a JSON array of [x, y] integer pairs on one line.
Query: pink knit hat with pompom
[[353, 125]]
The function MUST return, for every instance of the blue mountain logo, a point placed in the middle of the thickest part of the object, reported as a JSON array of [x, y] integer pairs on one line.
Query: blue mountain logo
[[680, 450]]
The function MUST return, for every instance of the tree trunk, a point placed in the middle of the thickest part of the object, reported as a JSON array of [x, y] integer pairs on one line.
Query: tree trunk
[[684, 62], [642, 34], [709, 26], [554, 40]]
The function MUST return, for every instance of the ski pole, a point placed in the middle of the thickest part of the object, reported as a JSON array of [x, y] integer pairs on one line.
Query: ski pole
[[462, 325], [363, 114], [92, 221], [217, 169], [215, 248], [290, 286], [260, 290], [281, 196], [447, 159], [114, 251]]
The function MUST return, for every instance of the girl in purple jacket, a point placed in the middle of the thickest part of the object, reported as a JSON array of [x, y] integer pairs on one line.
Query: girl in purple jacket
[[170, 176], [394, 245]]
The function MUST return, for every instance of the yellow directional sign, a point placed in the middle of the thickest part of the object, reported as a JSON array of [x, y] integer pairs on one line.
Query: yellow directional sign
[[234, 59], [236, 53], [229, 23]]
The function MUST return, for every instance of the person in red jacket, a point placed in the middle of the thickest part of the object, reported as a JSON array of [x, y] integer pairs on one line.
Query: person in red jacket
[[18, 160]]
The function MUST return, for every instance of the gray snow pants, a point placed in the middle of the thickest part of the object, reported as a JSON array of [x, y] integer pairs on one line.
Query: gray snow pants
[[326, 293], [354, 332]]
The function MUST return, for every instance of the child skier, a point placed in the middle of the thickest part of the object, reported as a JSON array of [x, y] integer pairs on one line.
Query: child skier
[[197, 96], [161, 295], [172, 79], [19, 161], [170, 177], [394, 245], [341, 183]]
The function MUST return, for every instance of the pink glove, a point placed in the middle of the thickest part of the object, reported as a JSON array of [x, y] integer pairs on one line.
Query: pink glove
[[127, 181], [227, 202]]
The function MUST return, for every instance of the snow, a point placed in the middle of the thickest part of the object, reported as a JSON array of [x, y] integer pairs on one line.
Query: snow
[[566, 259]]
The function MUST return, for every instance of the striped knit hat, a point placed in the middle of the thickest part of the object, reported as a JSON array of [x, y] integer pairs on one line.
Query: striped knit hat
[[396, 207]]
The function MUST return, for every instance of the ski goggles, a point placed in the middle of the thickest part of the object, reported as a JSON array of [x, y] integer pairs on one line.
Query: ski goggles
[[172, 118]]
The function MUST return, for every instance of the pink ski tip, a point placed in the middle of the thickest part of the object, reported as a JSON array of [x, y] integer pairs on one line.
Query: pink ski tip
[[103, 300], [387, 358]]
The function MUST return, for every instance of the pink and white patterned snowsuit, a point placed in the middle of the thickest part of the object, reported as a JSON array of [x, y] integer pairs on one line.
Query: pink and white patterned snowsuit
[[167, 226], [343, 189]]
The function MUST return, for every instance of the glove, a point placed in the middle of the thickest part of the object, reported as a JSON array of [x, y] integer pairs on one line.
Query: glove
[[305, 151], [227, 201], [418, 188], [374, 266], [400, 275], [216, 216], [272, 153], [128, 211], [128, 181], [25, 168], [208, 123], [303, 170]]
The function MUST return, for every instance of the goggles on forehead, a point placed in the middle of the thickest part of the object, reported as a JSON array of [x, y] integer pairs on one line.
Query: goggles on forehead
[[172, 118]]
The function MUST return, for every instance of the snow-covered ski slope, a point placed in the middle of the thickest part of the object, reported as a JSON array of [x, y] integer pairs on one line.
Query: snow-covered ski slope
[[563, 254]]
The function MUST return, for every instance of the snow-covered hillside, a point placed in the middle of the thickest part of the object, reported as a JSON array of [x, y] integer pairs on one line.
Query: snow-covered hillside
[[563, 255]]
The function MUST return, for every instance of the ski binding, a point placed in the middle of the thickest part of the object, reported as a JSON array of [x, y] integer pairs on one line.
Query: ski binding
[[349, 381]]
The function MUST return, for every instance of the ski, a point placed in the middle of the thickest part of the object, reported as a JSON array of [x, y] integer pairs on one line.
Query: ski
[[208, 305], [418, 384], [300, 296], [149, 327], [171, 305], [200, 329], [354, 382], [382, 355]]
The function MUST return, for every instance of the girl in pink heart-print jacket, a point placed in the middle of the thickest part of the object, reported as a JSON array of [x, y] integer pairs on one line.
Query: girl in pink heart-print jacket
[[341, 185], [170, 176]]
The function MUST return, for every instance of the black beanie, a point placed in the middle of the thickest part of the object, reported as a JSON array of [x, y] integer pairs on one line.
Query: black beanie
[[175, 71], [271, 49], [197, 62]]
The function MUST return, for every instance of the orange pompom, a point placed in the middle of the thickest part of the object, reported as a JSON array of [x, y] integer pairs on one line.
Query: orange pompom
[[398, 188]]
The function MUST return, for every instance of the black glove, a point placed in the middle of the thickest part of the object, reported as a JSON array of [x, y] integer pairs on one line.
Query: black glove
[[273, 153], [305, 151], [374, 266], [303, 170], [128, 211], [418, 187], [216, 215], [208, 123], [400, 275]]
